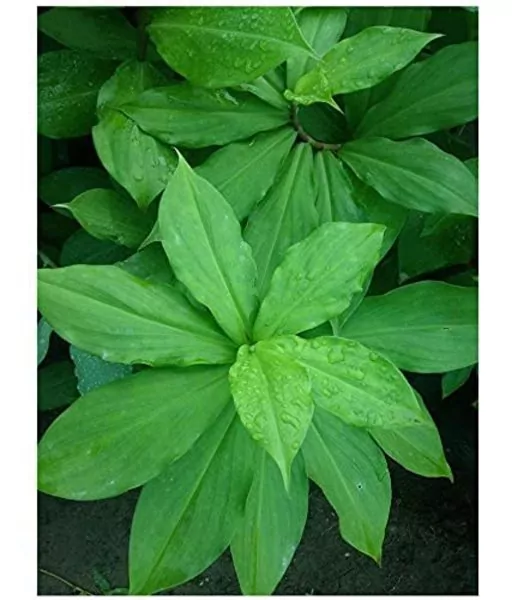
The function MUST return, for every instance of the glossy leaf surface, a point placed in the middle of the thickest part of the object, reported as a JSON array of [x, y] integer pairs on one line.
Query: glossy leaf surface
[[123, 434], [318, 278], [110, 313], [426, 327], [272, 395], [93, 372]]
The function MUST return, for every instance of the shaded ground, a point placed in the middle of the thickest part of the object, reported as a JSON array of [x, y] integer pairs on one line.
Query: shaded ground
[[431, 542]]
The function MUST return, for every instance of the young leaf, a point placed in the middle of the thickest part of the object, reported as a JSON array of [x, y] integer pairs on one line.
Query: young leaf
[[244, 171], [344, 197], [360, 62], [269, 87], [44, 331], [186, 517], [225, 46], [56, 385], [318, 278], [81, 248], [63, 185], [415, 174], [286, 215], [426, 327], [352, 472], [274, 520], [437, 93], [417, 448], [150, 264], [357, 385], [92, 372], [203, 241], [454, 380], [110, 313], [193, 117], [272, 395], [123, 434], [321, 27], [68, 84], [104, 32]]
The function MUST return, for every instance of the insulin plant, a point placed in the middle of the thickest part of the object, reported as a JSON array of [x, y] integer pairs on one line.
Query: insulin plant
[[262, 170]]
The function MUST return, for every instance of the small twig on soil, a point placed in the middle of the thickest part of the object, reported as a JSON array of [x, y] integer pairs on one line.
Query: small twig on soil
[[65, 582]]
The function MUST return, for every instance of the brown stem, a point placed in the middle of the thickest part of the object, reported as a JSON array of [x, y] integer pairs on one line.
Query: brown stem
[[68, 583], [304, 135]]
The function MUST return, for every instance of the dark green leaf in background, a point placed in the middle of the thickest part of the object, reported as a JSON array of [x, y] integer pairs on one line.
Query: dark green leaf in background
[[360, 18], [63, 185], [56, 385], [44, 331], [151, 264], [454, 380], [81, 248], [92, 372]]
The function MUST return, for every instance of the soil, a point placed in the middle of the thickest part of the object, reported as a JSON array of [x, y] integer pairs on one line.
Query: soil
[[430, 548]]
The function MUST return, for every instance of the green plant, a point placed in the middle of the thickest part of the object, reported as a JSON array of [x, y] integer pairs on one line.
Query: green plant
[[221, 366]]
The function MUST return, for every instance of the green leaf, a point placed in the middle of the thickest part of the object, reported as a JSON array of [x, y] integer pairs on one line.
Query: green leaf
[[357, 385], [286, 215], [272, 395], [150, 264], [56, 385], [92, 372], [352, 472], [68, 84], [318, 278], [274, 520], [107, 215], [44, 331], [269, 87], [431, 242], [360, 62], [415, 174], [82, 248], [202, 238], [104, 32], [225, 46], [454, 380], [63, 185], [362, 17], [417, 448], [321, 27], [244, 171], [426, 327], [110, 313], [343, 197], [438, 93], [123, 434], [184, 115], [186, 517]]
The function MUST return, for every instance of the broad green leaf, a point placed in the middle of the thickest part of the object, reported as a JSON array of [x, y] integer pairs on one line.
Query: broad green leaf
[[360, 62], [318, 278], [430, 242], [123, 434], [343, 197], [454, 380], [92, 372], [81, 248], [269, 88], [321, 27], [195, 117], [357, 385], [438, 93], [274, 520], [286, 215], [415, 174], [68, 84], [63, 185], [244, 171], [141, 164], [110, 313], [352, 473], [202, 238], [272, 395], [472, 165], [150, 264], [44, 331], [56, 385], [225, 46], [360, 18], [107, 215], [186, 517], [104, 32], [426, 327]]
